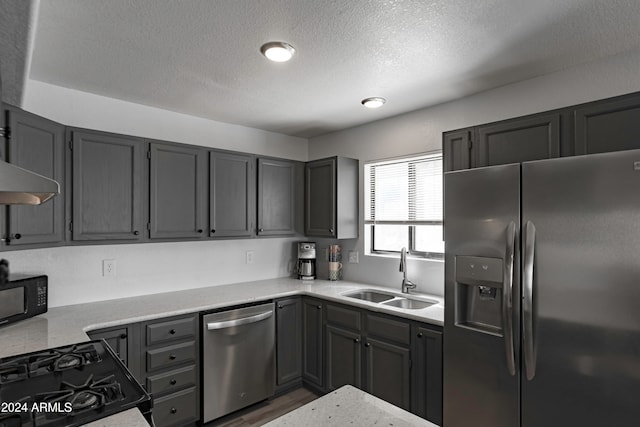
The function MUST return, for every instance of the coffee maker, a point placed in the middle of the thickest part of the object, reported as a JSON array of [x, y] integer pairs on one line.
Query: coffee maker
[[306, 260]]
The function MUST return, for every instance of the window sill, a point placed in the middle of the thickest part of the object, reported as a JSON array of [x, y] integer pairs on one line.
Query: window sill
[[397, 257]]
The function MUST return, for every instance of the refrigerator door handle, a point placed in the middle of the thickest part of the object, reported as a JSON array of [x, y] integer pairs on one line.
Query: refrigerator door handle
[[527, 303], [507, 298]]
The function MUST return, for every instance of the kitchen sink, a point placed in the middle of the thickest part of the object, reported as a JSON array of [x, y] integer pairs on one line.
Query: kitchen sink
[[410, 303], [371, 296]]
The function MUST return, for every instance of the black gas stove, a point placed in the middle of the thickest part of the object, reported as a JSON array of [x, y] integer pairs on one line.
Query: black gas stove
[[67, 386]]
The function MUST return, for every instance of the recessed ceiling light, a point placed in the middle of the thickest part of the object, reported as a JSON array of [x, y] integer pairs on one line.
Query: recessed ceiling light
[[277, 51], [375, 102]]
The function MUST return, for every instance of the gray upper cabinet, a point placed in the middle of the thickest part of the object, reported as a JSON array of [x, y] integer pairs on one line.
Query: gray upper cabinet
[[331, 198], [108, 192], [177, 195], [518, 140], [456, 147], [232, 194], [276, 197], [609, 125], [36, 144]]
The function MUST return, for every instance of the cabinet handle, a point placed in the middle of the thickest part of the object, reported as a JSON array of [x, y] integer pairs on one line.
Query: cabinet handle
[[367, 345], [136, 232], [173, 357], [260, 230], [17, 236], [172, 332], [173, 382], [331, 230], [174, 410], [420, 335], [123, 336], [356, 340], [319, 307], [213, 230], [200, 230], [280, 307]]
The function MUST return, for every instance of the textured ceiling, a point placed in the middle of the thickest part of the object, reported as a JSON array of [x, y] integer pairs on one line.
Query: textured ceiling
[[201, 57]]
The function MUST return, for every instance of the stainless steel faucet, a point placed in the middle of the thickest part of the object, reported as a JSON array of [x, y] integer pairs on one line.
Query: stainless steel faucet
[[406, 284]]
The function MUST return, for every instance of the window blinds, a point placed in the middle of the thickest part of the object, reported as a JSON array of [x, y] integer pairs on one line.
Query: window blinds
[[404, 191]]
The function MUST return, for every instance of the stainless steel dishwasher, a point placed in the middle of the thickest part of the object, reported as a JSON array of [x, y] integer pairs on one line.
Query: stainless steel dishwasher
[[238, 359]]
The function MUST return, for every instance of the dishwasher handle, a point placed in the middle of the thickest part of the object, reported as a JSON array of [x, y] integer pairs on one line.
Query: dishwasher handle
[[237, 322]]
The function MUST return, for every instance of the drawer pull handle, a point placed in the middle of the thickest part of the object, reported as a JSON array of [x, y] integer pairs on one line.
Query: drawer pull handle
[[172, 332], [319, 307], [367, 345], [17, 236], [200, 230], [356, 340], [213, 230], [173, 357], [173, 382], [420, 334], [174, 410]]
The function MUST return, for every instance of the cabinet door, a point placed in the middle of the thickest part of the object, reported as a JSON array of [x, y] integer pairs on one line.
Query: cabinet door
[[456, 147], [36, 144], [312, 341], [276, 197], [520, 140], [177, 191], [387, 373], [611, 125], [232, 193], [288, 340], [426, 393], [344, 356], [125, 344], [320, 198], [107, 187]]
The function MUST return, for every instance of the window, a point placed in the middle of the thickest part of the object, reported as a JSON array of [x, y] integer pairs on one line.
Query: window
[[403, 205]]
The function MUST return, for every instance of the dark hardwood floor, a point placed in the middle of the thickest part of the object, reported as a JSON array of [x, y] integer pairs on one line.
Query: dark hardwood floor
[[263, 412]]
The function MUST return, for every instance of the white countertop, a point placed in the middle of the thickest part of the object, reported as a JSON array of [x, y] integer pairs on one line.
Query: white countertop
[[68, 324], [349, 406]]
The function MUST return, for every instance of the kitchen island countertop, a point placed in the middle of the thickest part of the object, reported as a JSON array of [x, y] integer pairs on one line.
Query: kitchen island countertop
[[349, 406]]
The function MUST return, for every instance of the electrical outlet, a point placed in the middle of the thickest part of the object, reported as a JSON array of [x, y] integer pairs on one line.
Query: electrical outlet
[[249, 257], [354, 257], [108, 267]]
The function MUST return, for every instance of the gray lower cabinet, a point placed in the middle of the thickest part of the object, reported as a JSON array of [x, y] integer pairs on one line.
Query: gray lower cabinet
[[608, 125], [426, 377], [36, 144], [313, 342], [276, 197], [456, 146], [343, 358], [125, 342], [288, 341], [108, 196], [232, 194], [387, 359], [171, 369], [177, 192], [331, 198]]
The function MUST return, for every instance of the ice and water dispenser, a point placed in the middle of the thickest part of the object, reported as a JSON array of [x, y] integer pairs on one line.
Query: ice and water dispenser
[[478, 294]]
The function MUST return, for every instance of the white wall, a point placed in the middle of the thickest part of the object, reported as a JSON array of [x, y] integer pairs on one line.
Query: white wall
[[75, 273], [421, 131]]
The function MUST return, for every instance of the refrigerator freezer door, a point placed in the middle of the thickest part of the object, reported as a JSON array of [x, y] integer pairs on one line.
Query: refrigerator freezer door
[[585, 291], [482, 216]]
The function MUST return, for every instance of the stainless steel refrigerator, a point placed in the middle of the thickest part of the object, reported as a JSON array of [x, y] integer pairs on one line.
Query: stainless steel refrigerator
[[542, 293]]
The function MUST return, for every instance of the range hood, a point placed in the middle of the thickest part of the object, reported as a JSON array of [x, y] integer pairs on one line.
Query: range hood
[[22, 187]]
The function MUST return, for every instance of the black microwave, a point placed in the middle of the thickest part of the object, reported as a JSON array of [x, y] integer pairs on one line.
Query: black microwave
[[23, 298]]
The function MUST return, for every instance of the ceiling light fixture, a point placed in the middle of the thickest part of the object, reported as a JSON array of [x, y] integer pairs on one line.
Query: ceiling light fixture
[[375, 102], [277, 51]]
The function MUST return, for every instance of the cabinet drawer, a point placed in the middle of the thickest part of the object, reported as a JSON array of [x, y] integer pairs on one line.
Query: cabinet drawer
[[172, 380], [176, 409], [345, 317], [171, 330], [389, 329], [171, 355]]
